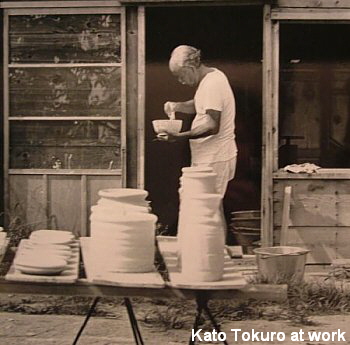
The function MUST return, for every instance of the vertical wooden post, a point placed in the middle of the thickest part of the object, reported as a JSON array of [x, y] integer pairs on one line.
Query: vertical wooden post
[[275, 92], [84, 206], [131, 48], [141, 99], [267, 134], [6, 139], [123, 131], [2, 199], [285, 215], [46, 201]]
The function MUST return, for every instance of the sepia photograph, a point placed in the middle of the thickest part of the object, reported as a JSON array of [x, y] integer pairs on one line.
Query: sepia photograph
[[175, 172]]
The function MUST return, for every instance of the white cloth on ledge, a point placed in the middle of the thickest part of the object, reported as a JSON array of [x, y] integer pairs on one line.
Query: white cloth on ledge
[[302, 168]]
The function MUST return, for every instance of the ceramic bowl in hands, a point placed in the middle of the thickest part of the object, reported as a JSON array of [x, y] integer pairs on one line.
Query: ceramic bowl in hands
[[169, 126]]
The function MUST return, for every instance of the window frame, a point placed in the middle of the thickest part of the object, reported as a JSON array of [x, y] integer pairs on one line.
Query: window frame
[[8, 12]]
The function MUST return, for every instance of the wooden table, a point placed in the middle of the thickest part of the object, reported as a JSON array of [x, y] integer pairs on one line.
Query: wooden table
[[82, 287], [127, 286]]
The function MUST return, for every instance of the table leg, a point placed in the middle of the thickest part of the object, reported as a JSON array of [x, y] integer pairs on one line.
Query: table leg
[[213, 321], [202, 305], [133, 322], [196, 323], [88, 315]]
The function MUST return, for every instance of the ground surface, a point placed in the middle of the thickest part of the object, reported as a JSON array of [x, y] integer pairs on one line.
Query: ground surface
[[19, 329], [161, 323]]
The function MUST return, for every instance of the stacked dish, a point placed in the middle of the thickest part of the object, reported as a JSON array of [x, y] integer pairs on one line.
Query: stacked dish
[[47, 252], [200, 230], [246, 227], [123, 231]]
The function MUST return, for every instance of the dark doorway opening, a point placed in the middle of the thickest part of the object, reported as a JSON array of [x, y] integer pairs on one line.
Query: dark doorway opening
[[230, 39]]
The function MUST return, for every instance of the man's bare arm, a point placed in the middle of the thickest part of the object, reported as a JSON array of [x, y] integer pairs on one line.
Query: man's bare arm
[[205, 129]]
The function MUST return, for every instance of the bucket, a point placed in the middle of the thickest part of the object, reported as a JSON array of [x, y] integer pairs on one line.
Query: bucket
[[281, 264]]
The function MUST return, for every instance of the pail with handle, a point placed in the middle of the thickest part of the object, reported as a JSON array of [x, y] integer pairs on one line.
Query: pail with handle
[[281, 264]]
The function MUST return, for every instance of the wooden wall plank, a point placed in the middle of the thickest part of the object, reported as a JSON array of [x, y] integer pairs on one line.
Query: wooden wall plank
[[285, 215], [45, 199], [27, 202], [321, 174], [83, 206], [275, 92], [32, 89], [141, 99], [66, 172], [6, 106], [324, 243], [123, 100], [63, 202], [313, 202], [94, 184], [267, 136], [64, 198], [49, 41], [314, 3], [34, 8], [342, 193], [57, 4], [310, 14], [342, 243], [131, 47], [320, 243], [193, 2]]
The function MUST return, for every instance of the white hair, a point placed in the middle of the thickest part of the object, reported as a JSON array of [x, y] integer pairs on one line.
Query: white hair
[[185, 55]]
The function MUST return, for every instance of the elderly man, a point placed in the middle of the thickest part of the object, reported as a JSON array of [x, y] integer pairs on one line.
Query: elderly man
[[212, 134]]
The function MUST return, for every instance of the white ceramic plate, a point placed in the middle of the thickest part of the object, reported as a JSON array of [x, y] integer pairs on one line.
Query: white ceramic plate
[[51, 240], [45, 233], [46, 246], [44, 254], [39, 271], [52, 236], [40, 262]]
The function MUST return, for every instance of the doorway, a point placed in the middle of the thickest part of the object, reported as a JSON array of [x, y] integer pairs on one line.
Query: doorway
[[230, 39]]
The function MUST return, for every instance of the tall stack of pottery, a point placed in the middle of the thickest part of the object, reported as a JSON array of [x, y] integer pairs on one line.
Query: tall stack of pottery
[[200, 232], [122, 231]]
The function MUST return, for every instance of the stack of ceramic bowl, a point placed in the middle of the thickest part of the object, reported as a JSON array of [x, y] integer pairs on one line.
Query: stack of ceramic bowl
[[194, 180], [118, 202], [204, 183], [200, 232], [246, 227], [47, 252], [123, 231]]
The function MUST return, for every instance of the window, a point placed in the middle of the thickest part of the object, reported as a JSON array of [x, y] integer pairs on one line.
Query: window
[[64, 82], [314, 104]]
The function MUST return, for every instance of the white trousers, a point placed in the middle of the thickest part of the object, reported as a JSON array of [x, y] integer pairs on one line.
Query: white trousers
[[225, 172]]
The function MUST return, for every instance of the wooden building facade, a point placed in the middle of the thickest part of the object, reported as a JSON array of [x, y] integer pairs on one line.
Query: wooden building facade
[[65, 71], [306, 100], [84, 79]]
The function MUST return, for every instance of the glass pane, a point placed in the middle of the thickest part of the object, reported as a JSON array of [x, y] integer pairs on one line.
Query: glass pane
[[65, 38], [65, 144], [87, 91], [315, 95]]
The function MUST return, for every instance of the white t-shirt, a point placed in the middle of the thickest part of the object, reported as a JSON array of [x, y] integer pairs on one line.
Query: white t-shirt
[[214, 92]]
